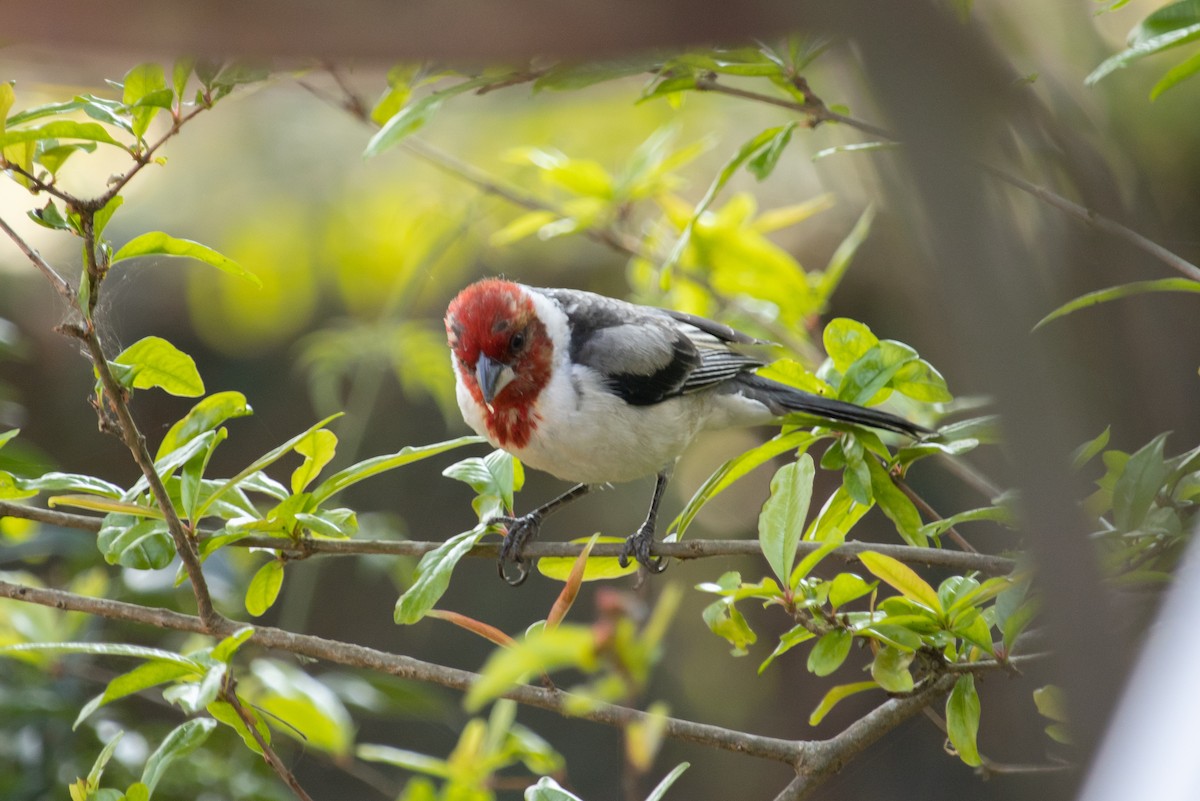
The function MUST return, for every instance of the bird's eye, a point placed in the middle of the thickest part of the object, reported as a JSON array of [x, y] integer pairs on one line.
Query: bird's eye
[[517, 342]]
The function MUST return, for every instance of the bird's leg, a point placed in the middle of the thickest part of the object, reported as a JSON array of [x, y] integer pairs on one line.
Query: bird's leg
[[638, 545], [520, 530]]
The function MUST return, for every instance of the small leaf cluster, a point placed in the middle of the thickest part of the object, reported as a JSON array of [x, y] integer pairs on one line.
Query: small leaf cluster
[[484, 748], [1145, 504], [134, 532], [1174, 25]]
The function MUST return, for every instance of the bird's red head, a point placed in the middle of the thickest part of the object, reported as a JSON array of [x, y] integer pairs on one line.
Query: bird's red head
[[502, 354]]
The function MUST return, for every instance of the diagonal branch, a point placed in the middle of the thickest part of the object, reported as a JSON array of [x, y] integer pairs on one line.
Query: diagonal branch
[[816, 112]]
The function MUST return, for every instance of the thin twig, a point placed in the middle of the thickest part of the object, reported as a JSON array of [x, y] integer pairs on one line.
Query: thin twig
[[229, 694], [60, 284], [929, 511], [816, 112]]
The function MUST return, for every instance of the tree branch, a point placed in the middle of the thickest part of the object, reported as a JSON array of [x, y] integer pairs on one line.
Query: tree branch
[[406, 667], [690, 549], [229, 694], [816, 113], [60, 284]]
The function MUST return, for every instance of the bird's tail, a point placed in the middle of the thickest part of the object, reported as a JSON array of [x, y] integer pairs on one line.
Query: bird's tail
[[782, 399]]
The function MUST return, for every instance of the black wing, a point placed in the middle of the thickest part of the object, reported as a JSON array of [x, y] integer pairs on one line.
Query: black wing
[[648, 355]]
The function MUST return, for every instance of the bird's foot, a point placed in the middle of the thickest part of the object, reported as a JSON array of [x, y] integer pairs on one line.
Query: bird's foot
[[638, 546], [518, 531]]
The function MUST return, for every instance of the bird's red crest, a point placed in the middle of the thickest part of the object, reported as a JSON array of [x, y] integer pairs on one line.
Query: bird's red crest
[[497, 318]]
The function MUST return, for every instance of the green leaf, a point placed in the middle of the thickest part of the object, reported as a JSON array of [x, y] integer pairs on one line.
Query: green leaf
[[540, 651], [546, 789], [890, 669], [597, 569], [725, 620], [311, 712], [569, 77], [1139, 484], [836, 694], [97, 771], [144, 545], [1121, 291], [317, 449], [224, 712], [204, 416], [156, 243], [790, 639], [830, 652], [142, 82], [413, 117], [998, 514], [180, 72], [1147, 46], [379, 464], [847, 587], [831, 277], [183, 740], [264, 588], [402, 758], [898, 507], [494, 478], [1177, 74], [61, 129], [262, 462], [839, 514], [813, 558], [747, 150], [660, 789], [874, 371], [846, 341], [781, 522], [902, 578], [737, 467], [155, 362], [227, 647], [853, 148], [962, 719], [102, 649], [1084, 453], [142, 677], [104, 215], [7, 98], [433, 575], [856, 475], [71, 482], [338, 524], [764, 163]]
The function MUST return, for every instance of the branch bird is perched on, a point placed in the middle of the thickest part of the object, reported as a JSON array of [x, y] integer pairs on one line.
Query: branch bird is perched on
[[595, 390]]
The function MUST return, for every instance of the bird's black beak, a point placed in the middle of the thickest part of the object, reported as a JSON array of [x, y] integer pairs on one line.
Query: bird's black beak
[[492, 376]]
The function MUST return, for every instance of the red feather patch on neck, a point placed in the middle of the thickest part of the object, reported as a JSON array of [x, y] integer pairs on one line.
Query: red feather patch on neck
[[498, 318]]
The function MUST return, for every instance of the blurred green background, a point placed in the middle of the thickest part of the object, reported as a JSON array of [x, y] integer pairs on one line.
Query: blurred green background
[[359, 259]]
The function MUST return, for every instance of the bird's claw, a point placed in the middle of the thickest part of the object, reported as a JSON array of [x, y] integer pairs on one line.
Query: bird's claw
[[518, 531], [638, 546]]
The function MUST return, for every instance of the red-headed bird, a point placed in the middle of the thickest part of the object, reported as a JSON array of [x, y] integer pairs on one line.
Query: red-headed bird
[[596, 390]]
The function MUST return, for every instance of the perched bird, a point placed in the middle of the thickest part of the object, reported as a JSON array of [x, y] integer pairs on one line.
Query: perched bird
[[596, 390]]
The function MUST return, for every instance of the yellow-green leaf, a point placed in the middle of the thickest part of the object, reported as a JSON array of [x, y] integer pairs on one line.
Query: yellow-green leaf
[[155, 362], [902, 578], [264, 587], [962, 719], [156, 243], [835, 695], [597, 568], [317, 449]]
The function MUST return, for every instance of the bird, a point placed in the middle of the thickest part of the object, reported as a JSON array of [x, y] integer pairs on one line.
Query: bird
[[594, 390]]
